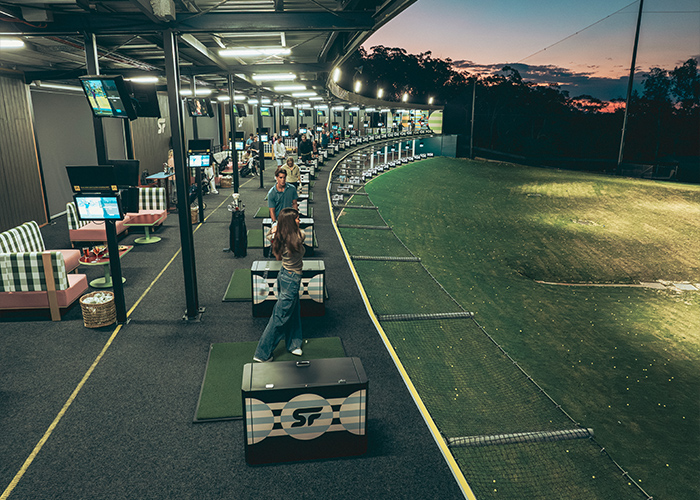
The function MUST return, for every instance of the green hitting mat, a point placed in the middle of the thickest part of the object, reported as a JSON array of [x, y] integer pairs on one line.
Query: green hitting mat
[[239, 288], [262, 213], [255, 238], [220, 396]]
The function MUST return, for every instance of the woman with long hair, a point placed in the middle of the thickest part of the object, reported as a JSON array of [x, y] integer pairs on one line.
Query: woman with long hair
[[287, 246]]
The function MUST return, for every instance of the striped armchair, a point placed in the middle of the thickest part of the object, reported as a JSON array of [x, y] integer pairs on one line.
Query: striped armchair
[[152, 201], [27, 238], [38, 280]]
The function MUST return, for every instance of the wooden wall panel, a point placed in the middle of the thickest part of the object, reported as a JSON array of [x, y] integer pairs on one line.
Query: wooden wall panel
[[21, 194]]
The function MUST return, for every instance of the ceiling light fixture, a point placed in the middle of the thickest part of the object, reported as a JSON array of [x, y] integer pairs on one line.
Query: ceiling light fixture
[[303, 94], [257, 52], [275, 77], [144, 79], [11, 43], [201, 91], [289, 88]]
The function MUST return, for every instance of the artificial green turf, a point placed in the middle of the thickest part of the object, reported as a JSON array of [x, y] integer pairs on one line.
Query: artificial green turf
[[220, 396], [255, 238], [621, 360], [527, 470], [373, 242], [239, 287]]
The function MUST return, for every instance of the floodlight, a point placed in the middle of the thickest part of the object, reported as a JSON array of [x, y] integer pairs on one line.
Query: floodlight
[[380, 93], [336, 75]]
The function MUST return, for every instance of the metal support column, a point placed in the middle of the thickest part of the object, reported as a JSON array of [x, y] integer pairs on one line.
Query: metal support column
[[261, 154], [193, 311], [232, 120]]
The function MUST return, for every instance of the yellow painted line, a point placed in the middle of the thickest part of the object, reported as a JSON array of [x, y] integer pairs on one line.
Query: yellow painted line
[[451, 462], [25, 466]]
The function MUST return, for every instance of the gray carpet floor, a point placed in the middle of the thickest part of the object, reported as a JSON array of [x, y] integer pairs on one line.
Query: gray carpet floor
[[128, 432]]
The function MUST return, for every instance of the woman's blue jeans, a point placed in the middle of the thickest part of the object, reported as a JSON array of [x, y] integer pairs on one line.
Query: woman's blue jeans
[[286, 317]]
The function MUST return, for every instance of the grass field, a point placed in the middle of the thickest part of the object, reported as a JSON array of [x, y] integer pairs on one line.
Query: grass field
[[622, 360]]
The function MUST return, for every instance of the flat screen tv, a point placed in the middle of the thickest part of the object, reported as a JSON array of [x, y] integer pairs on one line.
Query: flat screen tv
[[320, 112], [240, 145], [287, 112], [200, 106], [144, 98], [199, 160], [307, 112], [108, 96], [337, 113], [284, 133], [302, 130], [264, 137], [127, 172], [98, 207], [265, 112]]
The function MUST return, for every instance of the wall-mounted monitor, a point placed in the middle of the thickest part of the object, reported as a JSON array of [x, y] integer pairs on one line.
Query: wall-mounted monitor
[[284, 133], [302, 130], [320, 112], [199, 160], [108, 96], [337, 114], [240, 110], [319, 129], [240, 145], [287, 112], [98, 207], [200, 106], [307, 112], [144, 98], [265, 111], [264, 137]]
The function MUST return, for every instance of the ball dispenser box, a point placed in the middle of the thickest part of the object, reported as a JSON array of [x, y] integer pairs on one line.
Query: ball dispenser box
[[304, 410], [263, 277], [306, 224]]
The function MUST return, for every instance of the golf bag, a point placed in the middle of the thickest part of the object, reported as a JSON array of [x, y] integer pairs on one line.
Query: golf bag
[[238, 236]]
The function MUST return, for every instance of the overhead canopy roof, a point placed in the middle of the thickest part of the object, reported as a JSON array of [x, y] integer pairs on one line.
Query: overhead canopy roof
[[319, 35]]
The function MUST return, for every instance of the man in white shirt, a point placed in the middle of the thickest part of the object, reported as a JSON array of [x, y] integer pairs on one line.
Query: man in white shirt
[[280, 151]]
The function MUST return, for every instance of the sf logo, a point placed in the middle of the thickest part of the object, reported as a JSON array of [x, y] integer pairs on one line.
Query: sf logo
[[306, 416], [302, 416]]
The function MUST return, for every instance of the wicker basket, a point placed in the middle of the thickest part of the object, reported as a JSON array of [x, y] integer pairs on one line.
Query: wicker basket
[[226, 182], [98, 315], [194, 212]]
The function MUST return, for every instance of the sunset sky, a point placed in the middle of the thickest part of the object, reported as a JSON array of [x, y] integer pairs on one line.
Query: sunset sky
[[586, 47]]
